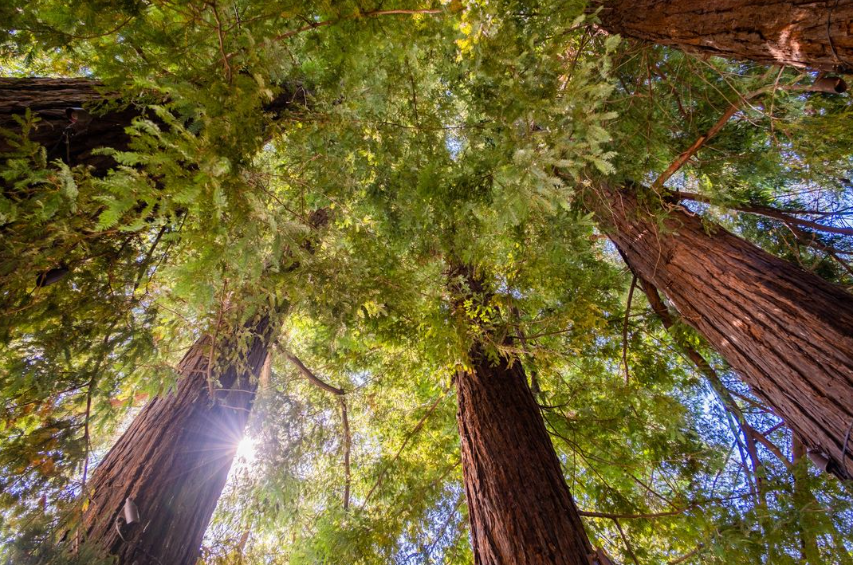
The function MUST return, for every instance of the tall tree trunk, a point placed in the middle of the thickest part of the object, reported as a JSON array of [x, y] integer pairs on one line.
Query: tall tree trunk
[[174, 459], [786, 331], [801, 33], [520, 507]]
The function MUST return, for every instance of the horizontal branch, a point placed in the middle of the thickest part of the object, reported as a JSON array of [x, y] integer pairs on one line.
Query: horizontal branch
[[631, 516]]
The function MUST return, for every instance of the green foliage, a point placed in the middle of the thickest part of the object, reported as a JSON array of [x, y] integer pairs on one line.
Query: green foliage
[[431, 140]]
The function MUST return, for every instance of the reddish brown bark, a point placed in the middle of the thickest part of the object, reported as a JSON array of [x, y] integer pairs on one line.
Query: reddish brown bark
[[174, 459], [800, 33], [520, 507], [787, 332]]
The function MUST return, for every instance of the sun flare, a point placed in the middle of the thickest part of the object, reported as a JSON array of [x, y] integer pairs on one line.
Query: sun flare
[[246, 450]]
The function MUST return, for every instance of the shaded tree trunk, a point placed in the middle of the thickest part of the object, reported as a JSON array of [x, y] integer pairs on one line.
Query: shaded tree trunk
[[787, 332], [73, 136], [816, 34], [174, 459]]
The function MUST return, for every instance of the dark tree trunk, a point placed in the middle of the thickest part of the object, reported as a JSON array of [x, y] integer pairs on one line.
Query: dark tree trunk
[[787, 332], [73, 137], [816, 34], [520, 507], [51, 99], [174, 459]]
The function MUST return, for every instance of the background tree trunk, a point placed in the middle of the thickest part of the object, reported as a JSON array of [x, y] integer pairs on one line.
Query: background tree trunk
[[74, 141], [799, 33], [786, 331], [174, 459], [520, 507], [50, 99]]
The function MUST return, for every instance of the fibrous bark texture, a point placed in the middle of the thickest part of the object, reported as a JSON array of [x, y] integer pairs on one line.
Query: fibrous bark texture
[[520, 507], [71, 138], [174, 459], [786, 331], [800, 33]]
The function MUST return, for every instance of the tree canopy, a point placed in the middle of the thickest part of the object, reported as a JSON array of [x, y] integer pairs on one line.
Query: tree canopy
[[431, 136]]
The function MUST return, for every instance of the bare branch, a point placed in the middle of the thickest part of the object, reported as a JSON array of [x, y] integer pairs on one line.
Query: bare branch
[[715, 129], [625, 330], [782, 215], [339, 392], [312, 378]]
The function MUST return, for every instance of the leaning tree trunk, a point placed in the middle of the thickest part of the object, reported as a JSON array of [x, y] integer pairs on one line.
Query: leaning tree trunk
[[787, 332], [801, 33], [520, 507], [173, 460]]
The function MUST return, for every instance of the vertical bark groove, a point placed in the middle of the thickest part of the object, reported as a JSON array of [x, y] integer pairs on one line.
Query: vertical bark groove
[[520, 507], [787, 332], [798, 33], [174, 459]]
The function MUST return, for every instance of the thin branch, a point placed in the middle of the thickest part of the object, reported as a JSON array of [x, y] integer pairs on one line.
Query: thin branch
[[411, 434], [339, 392], [312, 378], [625, 330], [767, 211], [771, 447], [371, 14], [810, 240], [687, 555], [220, 33], [347, 448], [715, 129], [632, 516], [447, 522], [627, 543]]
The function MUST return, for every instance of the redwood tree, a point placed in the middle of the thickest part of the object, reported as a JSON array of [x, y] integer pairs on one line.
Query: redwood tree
[[798, 33], [520, 508], [786, 331], [173, 460], [76, 116], [69, 126]]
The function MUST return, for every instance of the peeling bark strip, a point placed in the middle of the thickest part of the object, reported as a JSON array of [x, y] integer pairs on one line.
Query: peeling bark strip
[[520, 507], [786, 331], [174, 459], [814, 34]]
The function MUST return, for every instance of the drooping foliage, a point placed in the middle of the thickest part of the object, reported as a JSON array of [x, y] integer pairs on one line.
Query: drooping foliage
[[433, 135]]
